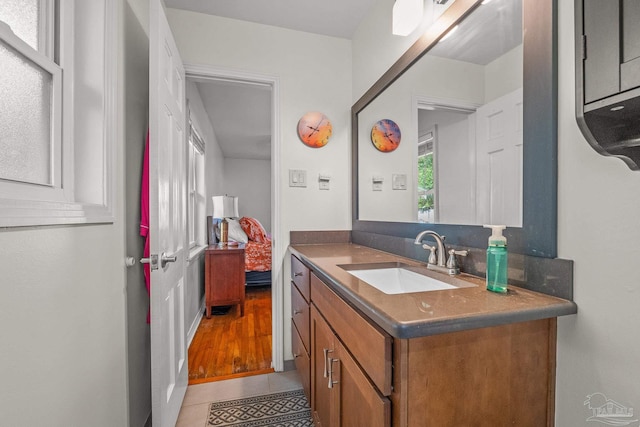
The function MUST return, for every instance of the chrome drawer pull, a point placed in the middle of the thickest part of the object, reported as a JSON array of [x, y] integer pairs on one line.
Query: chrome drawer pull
[[326, 352]]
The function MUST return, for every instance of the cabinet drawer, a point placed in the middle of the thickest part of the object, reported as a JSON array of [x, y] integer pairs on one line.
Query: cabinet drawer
[[369, 345], [300, 315], [302, 361], [300, 276]]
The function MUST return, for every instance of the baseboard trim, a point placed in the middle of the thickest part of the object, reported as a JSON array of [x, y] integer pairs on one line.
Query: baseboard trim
[[194, 325], [289, 365]]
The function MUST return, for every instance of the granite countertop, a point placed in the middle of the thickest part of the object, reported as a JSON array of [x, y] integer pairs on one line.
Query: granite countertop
[[420, 314]]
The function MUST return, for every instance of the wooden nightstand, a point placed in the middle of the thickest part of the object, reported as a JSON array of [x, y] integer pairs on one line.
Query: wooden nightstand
[[224, 277]]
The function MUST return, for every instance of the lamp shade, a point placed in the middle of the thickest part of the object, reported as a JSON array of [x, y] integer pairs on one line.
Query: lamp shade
[[225, 206]]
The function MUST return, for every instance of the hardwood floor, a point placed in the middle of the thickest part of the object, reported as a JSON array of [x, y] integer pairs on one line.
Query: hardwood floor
[[229, 346]]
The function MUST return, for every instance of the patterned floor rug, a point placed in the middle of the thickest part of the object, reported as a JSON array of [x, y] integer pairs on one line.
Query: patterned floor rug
[[286, 409]]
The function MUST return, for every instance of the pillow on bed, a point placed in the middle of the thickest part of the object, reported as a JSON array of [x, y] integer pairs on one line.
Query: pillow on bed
[[235, 232], [254, 230]]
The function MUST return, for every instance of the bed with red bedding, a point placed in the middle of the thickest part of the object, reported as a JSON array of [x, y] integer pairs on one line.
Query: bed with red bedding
[[257, 252]]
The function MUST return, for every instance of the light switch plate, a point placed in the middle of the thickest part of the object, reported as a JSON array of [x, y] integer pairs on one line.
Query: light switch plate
[[323, 181], [297, 178], [399, 181], [377, 182]]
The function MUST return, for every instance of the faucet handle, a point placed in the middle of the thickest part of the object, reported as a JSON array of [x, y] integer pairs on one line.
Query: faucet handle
[[432, 256], [452, 262], [461, 253]]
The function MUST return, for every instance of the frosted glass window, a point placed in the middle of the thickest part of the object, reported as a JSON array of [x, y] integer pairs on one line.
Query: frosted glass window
[[23, 18], [25, 122]]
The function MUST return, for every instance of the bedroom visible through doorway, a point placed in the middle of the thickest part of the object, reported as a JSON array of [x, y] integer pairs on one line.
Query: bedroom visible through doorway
[[235, 117]]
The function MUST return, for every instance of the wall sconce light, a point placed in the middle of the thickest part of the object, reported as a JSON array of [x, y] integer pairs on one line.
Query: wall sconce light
[[407, 15]]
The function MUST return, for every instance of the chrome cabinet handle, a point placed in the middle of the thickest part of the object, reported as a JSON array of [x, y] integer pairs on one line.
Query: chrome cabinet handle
[[297, 274], [331, 381], [296, 311], [325, 372]]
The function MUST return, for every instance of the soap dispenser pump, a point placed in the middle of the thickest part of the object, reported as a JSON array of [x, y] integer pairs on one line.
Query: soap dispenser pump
[[497, 260]]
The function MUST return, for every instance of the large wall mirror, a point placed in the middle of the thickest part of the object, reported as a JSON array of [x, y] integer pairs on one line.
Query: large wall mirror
[[475, 99]]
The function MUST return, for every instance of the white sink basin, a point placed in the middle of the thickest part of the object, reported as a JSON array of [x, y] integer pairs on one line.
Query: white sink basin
[[395, 278]]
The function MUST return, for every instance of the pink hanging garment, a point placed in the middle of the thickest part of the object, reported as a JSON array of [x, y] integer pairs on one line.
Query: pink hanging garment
[[144, 218]]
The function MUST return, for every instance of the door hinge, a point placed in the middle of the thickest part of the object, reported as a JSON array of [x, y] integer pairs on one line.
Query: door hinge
[[583, 47]]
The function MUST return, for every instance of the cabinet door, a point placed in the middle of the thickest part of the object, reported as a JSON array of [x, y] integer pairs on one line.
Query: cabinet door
[[630, 67], [360, 402], [602, 63], [324, 402]]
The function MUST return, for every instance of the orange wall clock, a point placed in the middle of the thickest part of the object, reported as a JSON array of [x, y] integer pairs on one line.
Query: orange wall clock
[[314, 129], [385, 135]]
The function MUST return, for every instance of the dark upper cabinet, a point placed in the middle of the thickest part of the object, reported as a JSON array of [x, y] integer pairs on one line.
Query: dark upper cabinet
[[602, 49], [630, 64], [608, 76]]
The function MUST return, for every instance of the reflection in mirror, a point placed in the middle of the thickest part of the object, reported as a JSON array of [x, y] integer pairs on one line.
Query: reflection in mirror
[[459, 109]]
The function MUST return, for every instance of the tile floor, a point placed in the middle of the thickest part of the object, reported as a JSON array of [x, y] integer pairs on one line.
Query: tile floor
[[195, 407]]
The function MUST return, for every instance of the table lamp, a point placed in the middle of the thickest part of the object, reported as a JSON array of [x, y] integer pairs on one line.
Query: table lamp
[[225, 207]]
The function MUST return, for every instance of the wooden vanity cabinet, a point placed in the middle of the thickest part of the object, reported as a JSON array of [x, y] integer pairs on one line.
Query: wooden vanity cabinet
[[342, 393], [350, 364], [361, 376], [495, 376]]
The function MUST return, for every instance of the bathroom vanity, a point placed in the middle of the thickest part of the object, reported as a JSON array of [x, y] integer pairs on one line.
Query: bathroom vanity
[[450, 357], [459, 356]]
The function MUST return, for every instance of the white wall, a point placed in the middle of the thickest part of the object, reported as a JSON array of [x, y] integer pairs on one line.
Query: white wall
[[62, 311], [375, 49], [250, 180], [598, 348], [314, 74], [503, 75]]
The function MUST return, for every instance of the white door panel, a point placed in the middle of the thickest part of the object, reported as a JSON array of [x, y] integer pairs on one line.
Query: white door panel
[[499, 161], [167, 201]]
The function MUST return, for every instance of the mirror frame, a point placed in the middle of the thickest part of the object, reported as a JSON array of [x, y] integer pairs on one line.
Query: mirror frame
[[538, 235]]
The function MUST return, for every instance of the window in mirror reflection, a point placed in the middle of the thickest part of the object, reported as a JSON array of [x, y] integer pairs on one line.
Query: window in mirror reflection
[[426, 190]]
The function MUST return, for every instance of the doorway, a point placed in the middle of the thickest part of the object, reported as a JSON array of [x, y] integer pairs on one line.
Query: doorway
[[236, 115]]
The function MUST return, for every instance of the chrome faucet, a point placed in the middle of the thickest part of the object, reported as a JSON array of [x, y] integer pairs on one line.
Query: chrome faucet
[[451, 266], [439, 242]]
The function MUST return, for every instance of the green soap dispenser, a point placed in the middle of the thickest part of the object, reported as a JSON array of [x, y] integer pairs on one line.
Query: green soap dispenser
[[497, 260]]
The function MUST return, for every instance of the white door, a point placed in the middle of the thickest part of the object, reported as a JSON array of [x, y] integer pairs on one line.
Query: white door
[[499, 161], [167, 218]]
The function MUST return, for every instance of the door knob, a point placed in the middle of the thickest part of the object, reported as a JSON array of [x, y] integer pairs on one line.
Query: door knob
[[164, 259]]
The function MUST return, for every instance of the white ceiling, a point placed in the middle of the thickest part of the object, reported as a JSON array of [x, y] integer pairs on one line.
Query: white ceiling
[[337, 18], [240, 114], [487, 33]]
